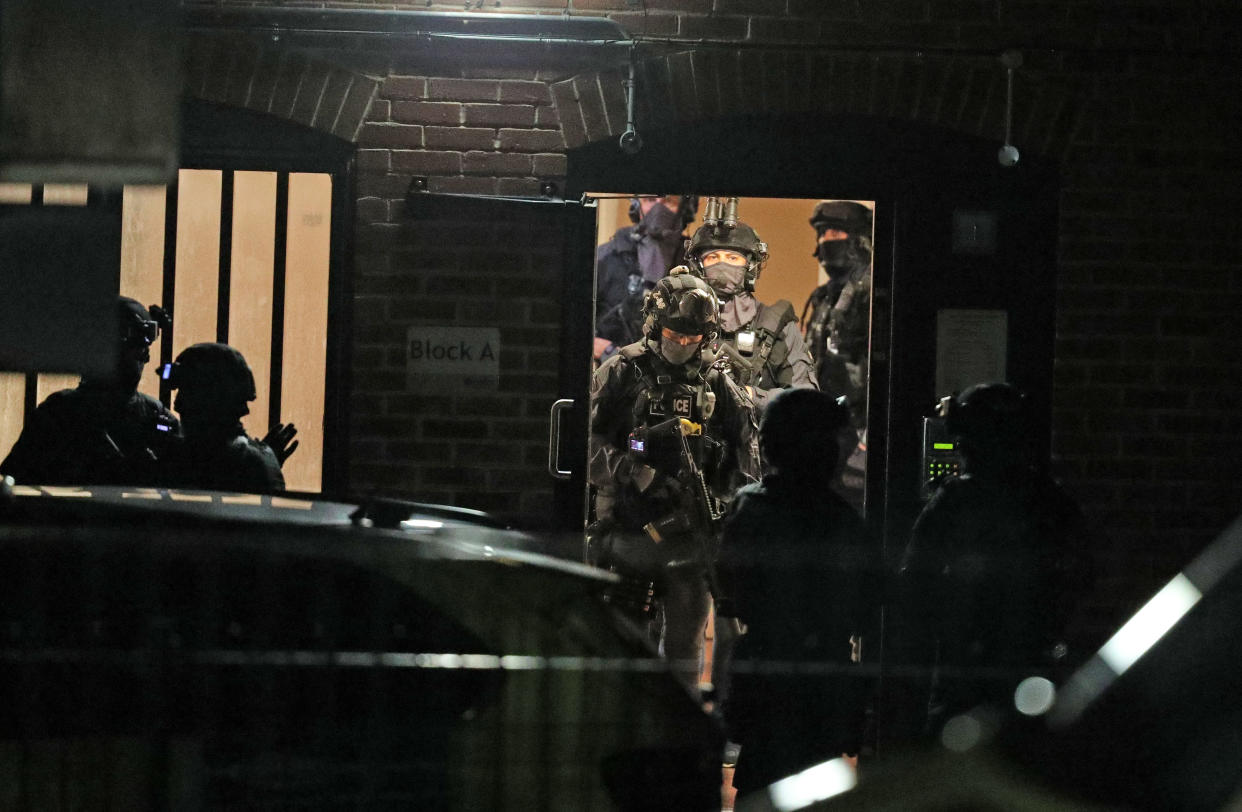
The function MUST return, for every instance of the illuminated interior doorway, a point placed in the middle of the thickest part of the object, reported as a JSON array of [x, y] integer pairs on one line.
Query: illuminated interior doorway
[[791, 273]]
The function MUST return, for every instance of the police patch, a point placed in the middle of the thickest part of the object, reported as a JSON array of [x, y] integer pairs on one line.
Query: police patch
[[682, 405]]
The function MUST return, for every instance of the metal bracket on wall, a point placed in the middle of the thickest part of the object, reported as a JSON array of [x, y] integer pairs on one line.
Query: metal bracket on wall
[[1008, 154], [630, 142]]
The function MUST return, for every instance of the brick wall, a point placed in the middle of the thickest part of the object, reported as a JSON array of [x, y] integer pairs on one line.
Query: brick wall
[[461, 135], [493, 136], [457, 266], [1137, 99]]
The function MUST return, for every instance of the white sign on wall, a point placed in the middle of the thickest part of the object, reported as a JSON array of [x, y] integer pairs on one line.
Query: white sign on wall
[[452, 358], [971, 346]]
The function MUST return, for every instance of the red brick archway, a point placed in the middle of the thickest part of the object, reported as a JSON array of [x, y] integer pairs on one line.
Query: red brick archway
[[281, 82], [964, 94]]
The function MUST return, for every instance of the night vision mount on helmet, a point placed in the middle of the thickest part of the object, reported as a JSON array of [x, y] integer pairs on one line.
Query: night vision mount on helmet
[[722, 231]]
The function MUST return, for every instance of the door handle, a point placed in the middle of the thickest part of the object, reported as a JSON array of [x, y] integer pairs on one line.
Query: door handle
[[554, 439]]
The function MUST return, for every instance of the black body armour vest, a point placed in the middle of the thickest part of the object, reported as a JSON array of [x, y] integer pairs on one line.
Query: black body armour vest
[[664, 400], [662, 397]]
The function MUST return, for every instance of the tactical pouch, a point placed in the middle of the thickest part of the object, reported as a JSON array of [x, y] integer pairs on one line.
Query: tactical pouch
[[631, 556]]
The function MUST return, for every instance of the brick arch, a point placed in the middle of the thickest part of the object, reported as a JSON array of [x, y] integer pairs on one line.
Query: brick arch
[[963, 94], [281, 82]]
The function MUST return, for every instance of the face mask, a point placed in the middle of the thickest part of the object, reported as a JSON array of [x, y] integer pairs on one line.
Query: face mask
[[724, 278], [737, 313], [660, 240], [675, 353], [833, 253]]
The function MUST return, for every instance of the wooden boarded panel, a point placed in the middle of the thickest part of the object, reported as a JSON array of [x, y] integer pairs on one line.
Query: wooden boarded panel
[[142, 259], [12, 408], [250, 284], [197, 283], [64, 194], [306, 324], [15, 192], [50, 382]]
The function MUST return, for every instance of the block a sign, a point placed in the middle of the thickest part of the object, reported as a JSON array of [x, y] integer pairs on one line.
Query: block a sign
[[452, 358]]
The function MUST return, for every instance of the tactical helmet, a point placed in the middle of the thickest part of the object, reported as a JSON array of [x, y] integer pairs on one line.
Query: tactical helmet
[[798, 431], [135, 323], [721, 230], [842, 215], [987, 414], [216, 368], [684, 303]]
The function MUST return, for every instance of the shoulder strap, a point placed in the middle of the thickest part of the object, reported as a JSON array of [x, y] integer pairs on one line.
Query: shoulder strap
[[806, 308], [774, 317], [772, 320]]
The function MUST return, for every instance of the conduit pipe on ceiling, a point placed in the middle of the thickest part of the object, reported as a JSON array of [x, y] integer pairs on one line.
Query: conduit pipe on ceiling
[[558, 29], [520, 29]]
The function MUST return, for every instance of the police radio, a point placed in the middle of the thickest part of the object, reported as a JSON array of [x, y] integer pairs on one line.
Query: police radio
[[941, 455]]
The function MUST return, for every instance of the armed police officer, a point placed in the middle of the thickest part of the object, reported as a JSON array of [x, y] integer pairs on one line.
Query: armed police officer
[[629, 265], [760, 345], [671, 439], [838, 327], [104, 432], [214, 385], [837, 321]]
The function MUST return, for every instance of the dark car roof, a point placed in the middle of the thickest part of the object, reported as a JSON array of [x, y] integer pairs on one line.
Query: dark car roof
[[441, 530]]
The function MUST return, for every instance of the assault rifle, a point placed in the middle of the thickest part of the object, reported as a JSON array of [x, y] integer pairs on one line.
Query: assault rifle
[[701, 516]]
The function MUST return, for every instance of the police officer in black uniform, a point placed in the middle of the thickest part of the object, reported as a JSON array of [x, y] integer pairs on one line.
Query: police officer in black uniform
[[214, 383], [837, 322], [799, 568], [997, 563], [629, 265], [760, 345], [671, 439], [104, 432]]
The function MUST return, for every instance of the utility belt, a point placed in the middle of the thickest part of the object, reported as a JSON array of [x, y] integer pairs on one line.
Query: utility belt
[[642, 562]]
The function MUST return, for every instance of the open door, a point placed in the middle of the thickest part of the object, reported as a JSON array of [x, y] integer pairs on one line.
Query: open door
[[501, 369], [972, 300]]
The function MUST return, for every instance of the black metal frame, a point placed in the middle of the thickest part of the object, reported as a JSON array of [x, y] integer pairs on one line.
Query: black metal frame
[[232, 140], [95, 199]]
